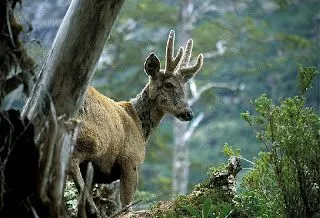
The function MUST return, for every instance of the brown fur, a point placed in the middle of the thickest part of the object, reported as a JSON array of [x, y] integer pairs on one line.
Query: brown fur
[[113, 134], [113, 119]]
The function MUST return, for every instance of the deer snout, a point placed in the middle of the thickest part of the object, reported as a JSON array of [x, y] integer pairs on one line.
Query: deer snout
[[186, 115]]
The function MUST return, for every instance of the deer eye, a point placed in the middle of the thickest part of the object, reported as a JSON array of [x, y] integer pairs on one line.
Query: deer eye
[[168, 85]]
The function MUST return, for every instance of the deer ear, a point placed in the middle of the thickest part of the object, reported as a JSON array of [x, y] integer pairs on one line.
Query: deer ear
[[152, 65]]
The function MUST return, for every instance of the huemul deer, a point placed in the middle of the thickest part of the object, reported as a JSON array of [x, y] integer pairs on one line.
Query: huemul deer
[[113, 134]]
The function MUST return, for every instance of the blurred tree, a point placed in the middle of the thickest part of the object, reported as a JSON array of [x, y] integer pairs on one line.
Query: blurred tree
[[181, 162], [285, 182], [182, 131]]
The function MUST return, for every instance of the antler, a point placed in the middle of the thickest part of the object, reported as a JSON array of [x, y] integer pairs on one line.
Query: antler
[[184, 69], [187, 55], [171, 63], [189, 71]]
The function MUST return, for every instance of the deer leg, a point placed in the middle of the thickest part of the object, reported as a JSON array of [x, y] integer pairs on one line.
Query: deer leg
[[78, 180], [128, 184]]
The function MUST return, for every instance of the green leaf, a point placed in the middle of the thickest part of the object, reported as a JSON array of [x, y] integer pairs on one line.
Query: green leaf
[[225, 211], [206, 208], [305, 77], [192, 211], [247, 117]]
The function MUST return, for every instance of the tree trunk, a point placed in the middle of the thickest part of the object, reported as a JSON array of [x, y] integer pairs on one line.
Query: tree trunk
[[181, 161], [71, 62], [180, 171], [60, 89]]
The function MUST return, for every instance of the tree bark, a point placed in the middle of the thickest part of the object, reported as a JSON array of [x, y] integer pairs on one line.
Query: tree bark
[[60, 89], [181, 161], [71, 62]]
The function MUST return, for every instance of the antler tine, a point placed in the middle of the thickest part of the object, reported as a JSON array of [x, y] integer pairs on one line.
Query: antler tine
[[178, 57], [189, 71], [172, 62], [169, 50], [187, 55]]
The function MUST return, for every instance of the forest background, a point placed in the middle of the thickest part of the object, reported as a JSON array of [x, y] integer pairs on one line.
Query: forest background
[[250, 47]]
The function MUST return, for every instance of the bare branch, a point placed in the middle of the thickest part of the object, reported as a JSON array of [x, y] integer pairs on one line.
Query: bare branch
[[242, 158], [193, 88], [49, 151], [64, 147], [193, 126], [124, 209], [221, 85], [221, 49], [8, 12], [86, 191]]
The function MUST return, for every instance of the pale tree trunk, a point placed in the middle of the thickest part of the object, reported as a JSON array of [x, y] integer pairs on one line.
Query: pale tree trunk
[[180, 159], [182, 131], [180, 171], [181, 162], [60, 89]]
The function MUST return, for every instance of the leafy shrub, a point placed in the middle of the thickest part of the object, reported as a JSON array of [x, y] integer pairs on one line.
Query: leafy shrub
[[211, 198], [208, 209], [285, 181]]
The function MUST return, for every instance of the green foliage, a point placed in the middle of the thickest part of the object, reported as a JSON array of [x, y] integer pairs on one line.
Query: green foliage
[[285, 180], [230, 152], [207, 210], [261, 194], [305, 77], [262, 48], [214, 197], [71, 198]]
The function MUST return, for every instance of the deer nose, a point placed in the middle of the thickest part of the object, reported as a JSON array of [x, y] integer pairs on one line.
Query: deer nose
[[186, 116], [189, 115]]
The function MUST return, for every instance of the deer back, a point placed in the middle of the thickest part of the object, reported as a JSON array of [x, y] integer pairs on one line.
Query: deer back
[[111, 131]]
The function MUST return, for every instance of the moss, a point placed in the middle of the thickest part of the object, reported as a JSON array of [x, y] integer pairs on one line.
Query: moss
[[219, 187]]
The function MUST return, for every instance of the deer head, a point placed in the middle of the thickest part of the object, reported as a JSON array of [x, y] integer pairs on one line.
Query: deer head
[[166, 86]]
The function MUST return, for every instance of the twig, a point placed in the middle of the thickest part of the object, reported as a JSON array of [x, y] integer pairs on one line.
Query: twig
[[8, 10], [49, 156], [242, 158], [33, 210], [248, 168], [85, 192], [124, 208]]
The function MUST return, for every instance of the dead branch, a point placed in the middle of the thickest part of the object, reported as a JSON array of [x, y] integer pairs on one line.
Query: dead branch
[[85, 192], [196, 94], [194, 124]]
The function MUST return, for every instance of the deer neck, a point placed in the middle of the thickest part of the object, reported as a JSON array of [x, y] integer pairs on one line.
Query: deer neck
[[149, 114]]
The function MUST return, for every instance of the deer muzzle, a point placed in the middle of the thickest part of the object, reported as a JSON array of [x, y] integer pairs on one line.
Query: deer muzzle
[[186, 115]]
